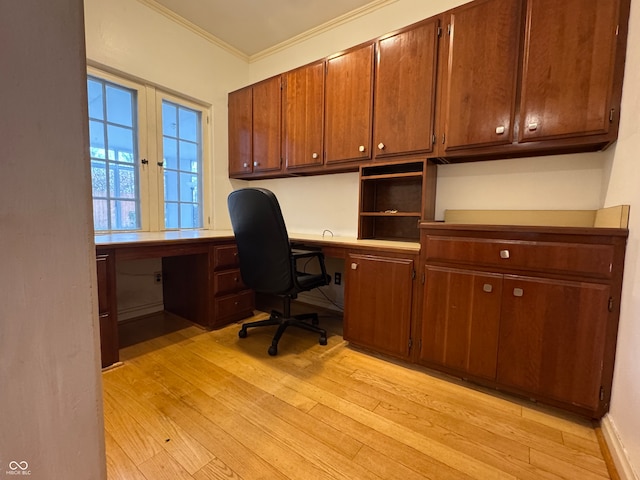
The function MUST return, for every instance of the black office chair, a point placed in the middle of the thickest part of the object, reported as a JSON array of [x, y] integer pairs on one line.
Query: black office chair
[[268, 263]]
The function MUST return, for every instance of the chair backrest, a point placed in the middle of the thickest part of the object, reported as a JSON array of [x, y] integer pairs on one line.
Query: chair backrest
[[262, 240]]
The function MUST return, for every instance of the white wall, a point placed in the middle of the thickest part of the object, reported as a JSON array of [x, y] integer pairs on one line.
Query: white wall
[[51, 396], [624, 187]]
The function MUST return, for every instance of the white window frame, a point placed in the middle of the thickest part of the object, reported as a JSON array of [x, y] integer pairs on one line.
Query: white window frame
[[149, 99]]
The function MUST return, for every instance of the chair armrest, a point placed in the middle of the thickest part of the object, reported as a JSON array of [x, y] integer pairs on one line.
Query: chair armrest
[[299, 254]]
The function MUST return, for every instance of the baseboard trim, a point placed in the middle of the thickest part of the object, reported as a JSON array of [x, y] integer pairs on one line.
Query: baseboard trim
[[616, 449], [139, 311]]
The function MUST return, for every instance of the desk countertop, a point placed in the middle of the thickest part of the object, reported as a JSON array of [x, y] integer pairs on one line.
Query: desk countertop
[[149, 238]]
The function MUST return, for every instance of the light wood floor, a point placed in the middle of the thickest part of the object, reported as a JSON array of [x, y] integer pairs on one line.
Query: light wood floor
[[204, 405]]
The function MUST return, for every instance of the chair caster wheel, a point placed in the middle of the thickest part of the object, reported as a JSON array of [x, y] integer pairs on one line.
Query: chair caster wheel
[[323, 340], [273, 350], [242, 333]]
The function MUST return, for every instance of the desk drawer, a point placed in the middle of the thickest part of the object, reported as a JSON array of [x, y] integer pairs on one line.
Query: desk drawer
[[225, 256], [234, 307], [228, 281], [569, 258]]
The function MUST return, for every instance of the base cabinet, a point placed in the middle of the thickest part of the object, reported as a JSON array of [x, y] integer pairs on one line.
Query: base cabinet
[[529, 310], [378, 302]]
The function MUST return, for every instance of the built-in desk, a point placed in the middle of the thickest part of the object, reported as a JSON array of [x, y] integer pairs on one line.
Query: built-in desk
[[202, 282]]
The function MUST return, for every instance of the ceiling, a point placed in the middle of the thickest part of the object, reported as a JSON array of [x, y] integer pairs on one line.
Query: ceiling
[[253, 26]]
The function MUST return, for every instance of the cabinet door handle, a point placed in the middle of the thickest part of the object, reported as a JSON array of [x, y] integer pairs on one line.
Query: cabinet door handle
[[500, 130], [315, 155], [245, 165], [255, 164], [354, 266], [533, 126], [381, 146], [518, 292], [504, 254], [361, 148], [487, 287]]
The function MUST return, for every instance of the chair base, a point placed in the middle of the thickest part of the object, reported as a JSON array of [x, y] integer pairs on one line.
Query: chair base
[[283, 322]]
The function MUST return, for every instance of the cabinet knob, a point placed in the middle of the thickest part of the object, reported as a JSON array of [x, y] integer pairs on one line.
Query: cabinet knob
[[235, 279], [500, 130], [361, 148], [255, 164], [315, 155], [354, 266], [245, 165], [236, 303], [381, 146], [518, 292], [504, 253], [487, 287], [533, 126]]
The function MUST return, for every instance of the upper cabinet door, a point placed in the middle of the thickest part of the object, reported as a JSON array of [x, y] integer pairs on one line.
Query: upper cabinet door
[[303, 111], [405, 91], [568, 68], [479, 69], [349, 99], [240, 132], [266, 125]]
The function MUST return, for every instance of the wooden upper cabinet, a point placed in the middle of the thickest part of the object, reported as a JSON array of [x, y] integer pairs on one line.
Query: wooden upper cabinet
[[303, 117], [266, 125], [349, 105], [479, 73], [240, 132], [568, 68], [405, 90], [254, 129]]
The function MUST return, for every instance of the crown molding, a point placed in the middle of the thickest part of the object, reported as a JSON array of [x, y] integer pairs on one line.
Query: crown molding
[[171, 15], [342, 19], [320, 29]]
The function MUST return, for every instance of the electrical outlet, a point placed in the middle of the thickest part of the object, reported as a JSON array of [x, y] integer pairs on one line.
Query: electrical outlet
[[337, 278], [157, 277]]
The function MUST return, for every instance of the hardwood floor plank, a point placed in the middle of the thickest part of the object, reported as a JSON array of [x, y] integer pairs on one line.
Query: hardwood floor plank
[[231, 411]]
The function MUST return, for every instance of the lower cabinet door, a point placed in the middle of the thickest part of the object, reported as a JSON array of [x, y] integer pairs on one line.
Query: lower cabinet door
[[552, 338], [460, 320], [378, 303]]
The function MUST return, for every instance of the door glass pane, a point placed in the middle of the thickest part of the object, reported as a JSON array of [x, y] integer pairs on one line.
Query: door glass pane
[[113, 139], [182, 144]]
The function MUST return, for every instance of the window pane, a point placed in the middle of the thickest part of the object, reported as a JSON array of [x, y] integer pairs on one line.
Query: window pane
[[113, 151], [171, 215], [119, 106], [188, 125], [94, 92], [99, 179], [182, 153], [169, 119], [100, 215], [188, 187], [170, 186], [123, 215], [121, 147], [189, 216], [170, 153], [188, 157], [96, 139]]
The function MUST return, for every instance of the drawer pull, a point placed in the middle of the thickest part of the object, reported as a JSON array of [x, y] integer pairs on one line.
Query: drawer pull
[[504, 253], [518, 292], [354, 266], [487, 287]]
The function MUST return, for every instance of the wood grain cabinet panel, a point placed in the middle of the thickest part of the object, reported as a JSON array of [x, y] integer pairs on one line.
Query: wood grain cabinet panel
[[378, 296], [479, 74], [255, 129], [303, 117], [552, 338], [349, 106], [405, 91], [568, 69], [544, 326], [462, 308]]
